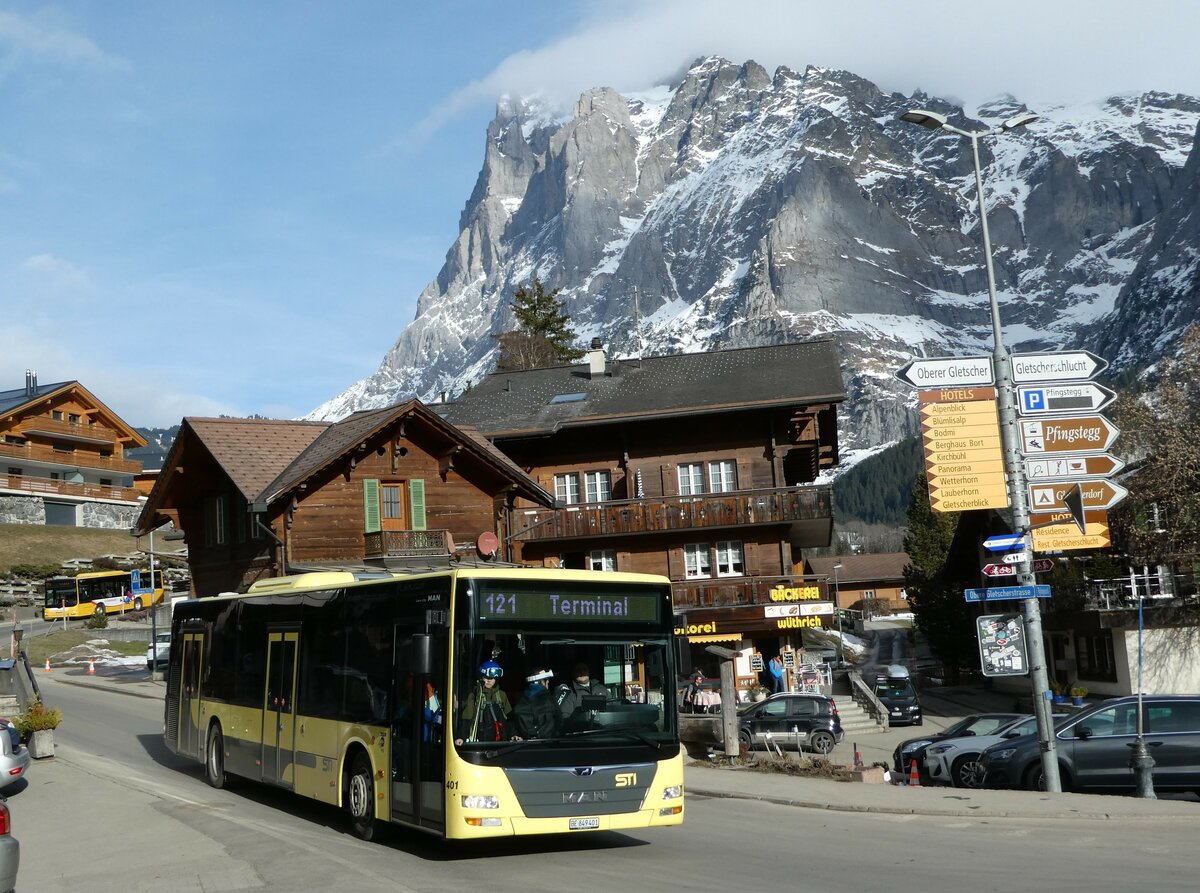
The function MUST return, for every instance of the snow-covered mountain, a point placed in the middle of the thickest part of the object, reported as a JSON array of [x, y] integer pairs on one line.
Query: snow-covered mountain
[[740, 208]]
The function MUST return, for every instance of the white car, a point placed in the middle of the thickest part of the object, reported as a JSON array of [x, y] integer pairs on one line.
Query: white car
[[159, 651], [955, 761]]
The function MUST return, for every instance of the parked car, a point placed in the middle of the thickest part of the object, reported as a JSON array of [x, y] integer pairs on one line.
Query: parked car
[[1094, 747], [791, 720], [955, 761], [159, 651], [14, 758], [896, 692], [917, 748], [10, 850]]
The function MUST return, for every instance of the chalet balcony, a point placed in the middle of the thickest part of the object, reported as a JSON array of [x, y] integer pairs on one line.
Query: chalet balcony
[[69, 430], [401, 544], [720, 593], [46, 487], [807, 510], [33, 452]]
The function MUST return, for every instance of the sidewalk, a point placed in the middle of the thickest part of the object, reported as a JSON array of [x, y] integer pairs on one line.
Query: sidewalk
[[707, 780]]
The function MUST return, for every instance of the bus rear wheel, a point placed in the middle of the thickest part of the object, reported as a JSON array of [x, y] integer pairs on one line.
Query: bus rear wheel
[[214, 761], [360, 797]]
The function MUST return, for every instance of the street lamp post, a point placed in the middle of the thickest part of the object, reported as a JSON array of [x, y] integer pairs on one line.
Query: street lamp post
[[837, 607], [1140, 760], [1014, 468]]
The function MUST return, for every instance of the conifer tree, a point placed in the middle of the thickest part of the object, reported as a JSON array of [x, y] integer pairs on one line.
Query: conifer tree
[[543, 336]]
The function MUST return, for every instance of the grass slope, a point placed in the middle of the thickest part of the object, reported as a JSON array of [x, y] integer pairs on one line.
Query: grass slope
[[37, 544]]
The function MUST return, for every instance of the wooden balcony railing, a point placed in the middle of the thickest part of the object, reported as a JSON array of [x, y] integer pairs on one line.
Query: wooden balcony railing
[[735, 509], [717, 593], [72, 430], [408, 544], [46, 487], [36, 452]]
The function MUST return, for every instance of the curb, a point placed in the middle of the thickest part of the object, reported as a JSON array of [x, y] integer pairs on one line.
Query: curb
[[119, 689], [936, 813]]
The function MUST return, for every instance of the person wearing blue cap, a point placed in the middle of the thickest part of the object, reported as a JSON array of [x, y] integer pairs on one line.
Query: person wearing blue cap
[[536, 714], [485, 715]]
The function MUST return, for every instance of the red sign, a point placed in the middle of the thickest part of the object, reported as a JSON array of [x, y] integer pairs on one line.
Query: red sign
[[1010, 570]]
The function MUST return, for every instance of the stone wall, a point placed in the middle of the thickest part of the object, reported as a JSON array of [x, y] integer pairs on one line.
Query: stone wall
[[22, 510], [109, 517]]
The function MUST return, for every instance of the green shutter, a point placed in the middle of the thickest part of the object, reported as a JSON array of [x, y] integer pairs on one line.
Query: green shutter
[[416, 496], [371, 506]]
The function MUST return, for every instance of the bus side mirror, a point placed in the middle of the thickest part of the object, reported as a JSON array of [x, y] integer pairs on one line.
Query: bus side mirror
[[421, 654]]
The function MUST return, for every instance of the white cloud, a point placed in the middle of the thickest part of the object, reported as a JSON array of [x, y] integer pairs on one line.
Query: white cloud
[[1068, 50], [41, 40], [124, 379], [56, 272]]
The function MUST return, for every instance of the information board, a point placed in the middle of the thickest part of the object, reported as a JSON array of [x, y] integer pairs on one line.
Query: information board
[[1002, 646]]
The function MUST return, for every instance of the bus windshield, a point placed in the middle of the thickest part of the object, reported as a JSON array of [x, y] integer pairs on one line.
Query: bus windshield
[[550, 665]]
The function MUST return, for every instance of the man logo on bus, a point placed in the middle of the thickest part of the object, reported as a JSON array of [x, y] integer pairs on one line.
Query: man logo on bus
[[626, 779]]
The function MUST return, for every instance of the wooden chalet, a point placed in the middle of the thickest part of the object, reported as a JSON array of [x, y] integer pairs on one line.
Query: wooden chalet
[[871, 584], [393, 487], [701, 467], [62, 452]]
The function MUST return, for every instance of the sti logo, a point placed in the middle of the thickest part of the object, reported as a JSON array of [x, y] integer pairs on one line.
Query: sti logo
[[626, 779]]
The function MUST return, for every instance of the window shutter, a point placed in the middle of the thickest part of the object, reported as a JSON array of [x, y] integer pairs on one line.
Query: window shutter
[[745, 478], [416, 497], [675, 564], [371, 505], [670, 479]]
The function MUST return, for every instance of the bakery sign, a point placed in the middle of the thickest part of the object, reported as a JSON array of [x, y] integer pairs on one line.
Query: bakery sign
[[798, 616]]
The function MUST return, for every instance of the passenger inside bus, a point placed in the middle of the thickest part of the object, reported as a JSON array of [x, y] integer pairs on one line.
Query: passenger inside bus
[[536, 714], [485, 713]]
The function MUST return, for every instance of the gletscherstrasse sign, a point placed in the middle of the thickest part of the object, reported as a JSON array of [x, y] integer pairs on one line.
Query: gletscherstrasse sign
[[1073, 365]]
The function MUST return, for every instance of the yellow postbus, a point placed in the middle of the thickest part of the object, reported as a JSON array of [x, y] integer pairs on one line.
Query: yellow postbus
[[362, 690], [101, 592]]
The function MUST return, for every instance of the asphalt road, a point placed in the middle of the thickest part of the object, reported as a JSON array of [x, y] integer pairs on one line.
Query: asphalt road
[[115, 812]]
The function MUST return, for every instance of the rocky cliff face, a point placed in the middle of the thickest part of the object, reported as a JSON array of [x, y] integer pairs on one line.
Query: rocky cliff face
[[741, 207]]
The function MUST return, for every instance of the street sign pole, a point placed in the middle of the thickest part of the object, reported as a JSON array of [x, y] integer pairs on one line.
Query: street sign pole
[[1018, 495]]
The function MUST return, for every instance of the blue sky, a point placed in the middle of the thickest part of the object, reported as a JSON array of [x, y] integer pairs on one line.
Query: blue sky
[[231, 207]]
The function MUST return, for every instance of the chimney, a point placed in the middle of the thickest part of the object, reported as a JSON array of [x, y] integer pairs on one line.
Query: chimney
[[595, 359], [30, 383]]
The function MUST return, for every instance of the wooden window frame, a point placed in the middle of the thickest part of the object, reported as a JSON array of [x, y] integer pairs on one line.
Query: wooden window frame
[[702, 553], [695, 475], [729, 547], [600, 477], [562, 487], [721, 466]]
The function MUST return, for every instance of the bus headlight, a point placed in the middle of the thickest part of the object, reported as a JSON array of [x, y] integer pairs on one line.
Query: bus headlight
[[674, 792], [480, 801]]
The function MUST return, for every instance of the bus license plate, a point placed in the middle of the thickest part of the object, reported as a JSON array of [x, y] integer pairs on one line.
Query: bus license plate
[[583, 824]]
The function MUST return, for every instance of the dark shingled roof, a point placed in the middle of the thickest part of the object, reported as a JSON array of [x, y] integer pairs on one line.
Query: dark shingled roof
[[339, 439], [863, 568], [253, 451], [512, 403]]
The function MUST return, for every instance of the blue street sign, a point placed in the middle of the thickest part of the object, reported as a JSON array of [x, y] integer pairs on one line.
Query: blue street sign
[[999, 593], [1005, 543], [1033, 400]]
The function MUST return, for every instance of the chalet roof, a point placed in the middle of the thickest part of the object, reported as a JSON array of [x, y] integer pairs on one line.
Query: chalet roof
[[339, 439], [543, 400], [254, 451], [16, 399], [862, 568]]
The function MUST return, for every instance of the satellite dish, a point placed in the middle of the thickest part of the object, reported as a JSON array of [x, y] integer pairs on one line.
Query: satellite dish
[[487, 544]]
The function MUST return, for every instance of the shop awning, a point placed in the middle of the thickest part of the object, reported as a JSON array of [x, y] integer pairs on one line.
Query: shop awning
[[717, 637]]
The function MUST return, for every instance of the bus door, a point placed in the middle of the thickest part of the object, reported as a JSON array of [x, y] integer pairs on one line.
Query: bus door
[[418, 745], [279, 708], [191, 735]]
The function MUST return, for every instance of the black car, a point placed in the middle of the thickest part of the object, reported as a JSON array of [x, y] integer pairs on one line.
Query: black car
[[791, 720], [895, 691], [975, 724], [1094, 747]]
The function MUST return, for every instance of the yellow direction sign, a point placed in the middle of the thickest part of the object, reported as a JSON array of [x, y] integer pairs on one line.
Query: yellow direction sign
[[963, 452], [1062, 534]]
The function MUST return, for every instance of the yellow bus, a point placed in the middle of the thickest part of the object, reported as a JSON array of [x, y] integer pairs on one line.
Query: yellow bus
[[356, 689], [101, 592]]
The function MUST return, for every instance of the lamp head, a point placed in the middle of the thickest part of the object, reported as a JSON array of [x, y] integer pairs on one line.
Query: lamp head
[[1018, 121], [924, 118]]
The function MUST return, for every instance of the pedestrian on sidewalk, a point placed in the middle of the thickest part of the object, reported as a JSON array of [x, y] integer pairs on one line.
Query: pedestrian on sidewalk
[[777, 674]]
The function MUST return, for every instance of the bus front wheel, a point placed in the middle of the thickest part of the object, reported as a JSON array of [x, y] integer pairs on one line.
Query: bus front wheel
[[137, 604], [214, 760], [360, 797]]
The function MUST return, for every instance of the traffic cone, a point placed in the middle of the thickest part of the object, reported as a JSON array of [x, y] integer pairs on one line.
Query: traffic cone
[[914, 776], [92, 672], [47, 665], [858, 763]]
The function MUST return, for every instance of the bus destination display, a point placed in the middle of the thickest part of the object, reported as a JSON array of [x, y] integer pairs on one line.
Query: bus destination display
[[568, 607]]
